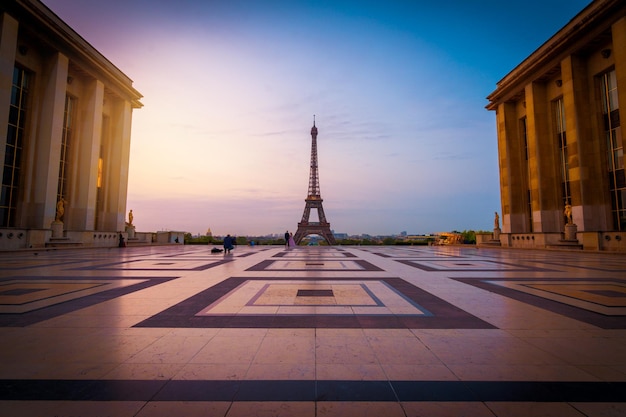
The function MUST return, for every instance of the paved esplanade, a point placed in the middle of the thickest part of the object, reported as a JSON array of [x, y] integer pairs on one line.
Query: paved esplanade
[[312, 331]]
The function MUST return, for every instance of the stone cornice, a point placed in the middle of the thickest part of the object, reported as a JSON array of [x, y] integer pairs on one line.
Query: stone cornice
[[55, 32], [595, 19]]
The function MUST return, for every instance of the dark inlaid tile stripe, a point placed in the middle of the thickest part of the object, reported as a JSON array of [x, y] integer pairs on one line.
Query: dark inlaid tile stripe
[[64, 307], [597, 319], [308, 390], [128, 265], [497, 266], [315, 293], [304, 254]]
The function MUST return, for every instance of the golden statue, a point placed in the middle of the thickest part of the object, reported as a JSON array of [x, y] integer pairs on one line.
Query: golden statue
[[60, 209], [568, 213], [130, 218]]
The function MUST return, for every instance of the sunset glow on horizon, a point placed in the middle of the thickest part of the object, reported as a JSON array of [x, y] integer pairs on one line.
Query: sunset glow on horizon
[[398, 90]]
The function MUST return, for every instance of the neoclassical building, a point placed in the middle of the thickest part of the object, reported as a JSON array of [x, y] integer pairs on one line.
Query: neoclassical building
[[560, 141], [65, 113]]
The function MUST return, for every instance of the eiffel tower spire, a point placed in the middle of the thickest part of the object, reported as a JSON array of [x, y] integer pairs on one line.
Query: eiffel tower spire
[[314, 182], [314, 201]]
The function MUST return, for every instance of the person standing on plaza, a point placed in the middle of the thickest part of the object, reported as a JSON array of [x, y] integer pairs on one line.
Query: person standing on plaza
[[228, 244], [286, 239], [291, 242]]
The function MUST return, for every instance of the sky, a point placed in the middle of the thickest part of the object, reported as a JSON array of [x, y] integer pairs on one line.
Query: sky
[[398, 89]]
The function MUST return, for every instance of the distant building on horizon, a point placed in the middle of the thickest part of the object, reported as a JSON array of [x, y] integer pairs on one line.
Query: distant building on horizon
[[340, 235], [560, 140], [66, 111]]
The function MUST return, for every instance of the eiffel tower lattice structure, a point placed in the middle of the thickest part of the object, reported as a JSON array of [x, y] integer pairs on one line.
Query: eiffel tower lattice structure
[[314, 201]]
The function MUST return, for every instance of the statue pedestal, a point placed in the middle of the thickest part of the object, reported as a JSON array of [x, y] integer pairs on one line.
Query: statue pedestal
[[496, 233], [130, 230], [570, 231], [57, 229]]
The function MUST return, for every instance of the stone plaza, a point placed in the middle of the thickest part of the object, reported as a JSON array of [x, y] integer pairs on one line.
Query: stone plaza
[[312, 331]]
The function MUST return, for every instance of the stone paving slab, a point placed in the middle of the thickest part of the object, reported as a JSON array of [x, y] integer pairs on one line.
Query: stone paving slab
[[312, 331]]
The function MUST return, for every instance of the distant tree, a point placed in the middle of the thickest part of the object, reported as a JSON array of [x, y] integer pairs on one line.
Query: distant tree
[[199, 240], [469, 236], [348, 242]]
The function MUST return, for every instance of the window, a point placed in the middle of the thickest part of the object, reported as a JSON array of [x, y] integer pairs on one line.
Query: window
[[99, 192], [15, 144], [64, 165], [615, 149], [529, 200], [561, 139]]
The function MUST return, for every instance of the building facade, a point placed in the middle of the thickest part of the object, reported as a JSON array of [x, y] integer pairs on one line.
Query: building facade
[[560, 141], [65, 114]]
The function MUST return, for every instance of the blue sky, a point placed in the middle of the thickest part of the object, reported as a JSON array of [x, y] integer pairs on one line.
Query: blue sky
[[398, 89]]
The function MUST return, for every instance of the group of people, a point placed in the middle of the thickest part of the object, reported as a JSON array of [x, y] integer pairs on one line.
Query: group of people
[[289, 242], [230, 242]]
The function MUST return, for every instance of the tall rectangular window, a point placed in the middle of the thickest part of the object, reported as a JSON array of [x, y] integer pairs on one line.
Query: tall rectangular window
[[615, 148], [561, 139], [101, 182], [99, 202], [66, 140], [15, 144], [529, 201]]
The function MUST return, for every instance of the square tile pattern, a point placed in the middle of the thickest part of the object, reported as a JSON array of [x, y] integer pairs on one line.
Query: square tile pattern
[[268, 297], [318, 264], [274, 303], [177, 330]]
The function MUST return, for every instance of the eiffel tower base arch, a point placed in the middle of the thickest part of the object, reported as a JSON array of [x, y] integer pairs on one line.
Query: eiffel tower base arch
[[309, 228]]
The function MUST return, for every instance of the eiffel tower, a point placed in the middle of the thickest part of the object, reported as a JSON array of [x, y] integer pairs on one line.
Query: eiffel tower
[[314, 201]]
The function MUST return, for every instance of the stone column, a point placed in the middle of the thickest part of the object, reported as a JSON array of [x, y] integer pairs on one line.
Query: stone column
[[542, 161], [511, 163], [42, 171], [86, 153], [118, 155], [588, 180]]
